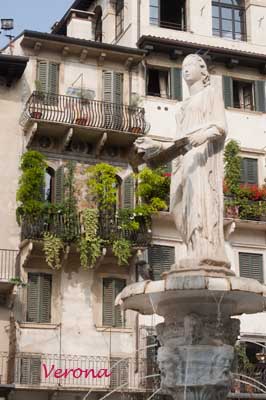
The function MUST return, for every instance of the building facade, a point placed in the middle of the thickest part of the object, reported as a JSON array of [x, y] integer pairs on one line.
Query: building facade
[[109, 72]]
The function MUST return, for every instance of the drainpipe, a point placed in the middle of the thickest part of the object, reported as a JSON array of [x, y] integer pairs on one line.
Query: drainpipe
[[138, 19]]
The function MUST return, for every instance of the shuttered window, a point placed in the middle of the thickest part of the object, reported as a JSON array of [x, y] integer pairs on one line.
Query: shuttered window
[[48, 76], [39, 298], [239, 94], [249, 171], [112, 315], [59, 185], [161, 258], [251, 266], [30, 371], [119, 369], [176, 84], [128, 192], [113, 98]]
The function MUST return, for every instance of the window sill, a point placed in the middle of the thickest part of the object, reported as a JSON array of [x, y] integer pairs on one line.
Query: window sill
[[108, 329], [162, 99], [33, 325], [243, 111]]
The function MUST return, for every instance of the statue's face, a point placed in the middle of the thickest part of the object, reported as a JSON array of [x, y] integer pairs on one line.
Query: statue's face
[[191, 71]]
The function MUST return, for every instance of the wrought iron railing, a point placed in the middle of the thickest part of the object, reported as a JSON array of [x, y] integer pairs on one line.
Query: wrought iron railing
[[90, 113], [68, 228], [8, 259]]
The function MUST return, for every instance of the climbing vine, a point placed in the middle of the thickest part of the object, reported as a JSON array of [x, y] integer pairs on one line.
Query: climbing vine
[[31, 182], [122, 250], [232, 165], [52, 247]]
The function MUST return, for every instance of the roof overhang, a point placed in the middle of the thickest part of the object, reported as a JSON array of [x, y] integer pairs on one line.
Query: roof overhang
[[12, 67], [82, 48], [214, 54]]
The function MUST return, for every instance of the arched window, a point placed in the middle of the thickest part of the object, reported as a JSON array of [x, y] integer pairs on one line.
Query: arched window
[[98, 30], [49, 185], [229, 19]]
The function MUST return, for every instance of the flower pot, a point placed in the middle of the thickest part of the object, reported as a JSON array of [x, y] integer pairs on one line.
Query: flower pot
[[36, 114], [85, 121], [135, 129], [232, 211]]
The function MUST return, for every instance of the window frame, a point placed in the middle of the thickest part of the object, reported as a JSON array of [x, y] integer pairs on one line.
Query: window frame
[[159, 69], [242, 105], [234, 8], [119, 18]]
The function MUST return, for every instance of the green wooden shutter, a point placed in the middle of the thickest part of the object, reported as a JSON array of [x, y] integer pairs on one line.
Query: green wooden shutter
[[161, 258], [30, 371], [176, 84], [108, 86], [119, 285], [45, 298], [249, 171], [39, 298], [112, 315], [117, 88], [260, 96], [251, 266], [33, 298], [228, 91], [59, 185], [128, 192], [42, 75], [120, 370], [108, 302], [53, 78]]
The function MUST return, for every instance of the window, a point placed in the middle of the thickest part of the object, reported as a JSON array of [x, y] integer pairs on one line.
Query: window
[[98, 34], [39, 298], [158, 83], [47, 77], [113, 99], [126, 193], [251, 266], [160, 258], [53, 190], [169, 14], [112, 315], [245, 95], [229, 19], [49, 185], [119, 18], [120, 370], [249, 171]]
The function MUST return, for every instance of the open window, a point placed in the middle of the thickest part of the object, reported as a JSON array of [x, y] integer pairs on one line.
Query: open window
[[169, 14], [243, 92], [98, 31], [158, 82]]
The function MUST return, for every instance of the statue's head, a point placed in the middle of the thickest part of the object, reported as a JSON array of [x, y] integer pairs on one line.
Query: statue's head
[[195, 69]]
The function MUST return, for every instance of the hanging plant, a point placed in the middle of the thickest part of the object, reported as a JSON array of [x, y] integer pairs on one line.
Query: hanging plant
[[31, 183], [52, 246], [122, 250], [90, 245]]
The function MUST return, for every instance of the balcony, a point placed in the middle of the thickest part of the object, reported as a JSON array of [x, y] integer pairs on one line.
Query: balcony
[[38, 371], [8, 268], [72, 118], [65, 227], [248, 210]]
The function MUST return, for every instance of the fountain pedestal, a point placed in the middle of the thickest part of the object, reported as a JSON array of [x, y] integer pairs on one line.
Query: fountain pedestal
[[198, 334]]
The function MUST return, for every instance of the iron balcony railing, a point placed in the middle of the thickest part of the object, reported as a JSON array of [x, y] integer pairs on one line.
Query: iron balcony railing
[[8, 263], [77, 371], [70, 227], [90, 113]]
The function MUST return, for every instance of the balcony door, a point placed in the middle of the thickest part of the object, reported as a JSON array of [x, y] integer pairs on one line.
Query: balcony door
[[113, 100]]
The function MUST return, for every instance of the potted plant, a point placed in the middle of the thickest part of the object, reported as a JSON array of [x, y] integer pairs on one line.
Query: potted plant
[[38, 98], [83, 113]]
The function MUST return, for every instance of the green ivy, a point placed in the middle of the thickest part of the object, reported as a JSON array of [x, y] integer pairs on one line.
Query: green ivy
[[102, 183], [232, 167], [52, 247], [90, 245], [122, 250], [31, 183]]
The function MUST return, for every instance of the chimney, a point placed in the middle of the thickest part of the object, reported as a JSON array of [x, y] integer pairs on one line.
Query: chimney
[[79, 24]]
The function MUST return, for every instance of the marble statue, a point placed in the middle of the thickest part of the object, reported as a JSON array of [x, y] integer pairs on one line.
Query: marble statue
[[196, 186]]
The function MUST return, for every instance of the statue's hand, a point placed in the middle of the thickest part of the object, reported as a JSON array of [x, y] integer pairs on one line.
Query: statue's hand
[[198, 138], [145, 146]]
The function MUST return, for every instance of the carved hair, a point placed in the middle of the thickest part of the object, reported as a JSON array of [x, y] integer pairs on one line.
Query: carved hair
[[202, 64]]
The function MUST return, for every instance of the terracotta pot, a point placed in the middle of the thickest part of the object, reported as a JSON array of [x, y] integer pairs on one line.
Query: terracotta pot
[[36, 114], [232, 212], [135, 129], [85, 121]]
